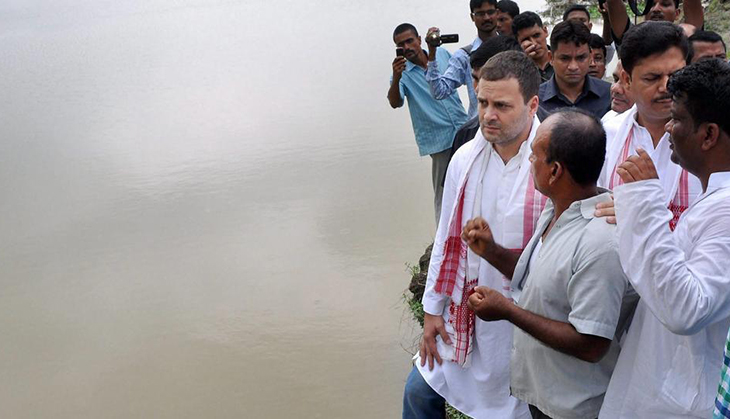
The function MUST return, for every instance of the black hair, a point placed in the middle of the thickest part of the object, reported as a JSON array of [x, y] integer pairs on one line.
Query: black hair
[[578, 141], [475, 4], [572, 8], [597, 42], [509, 7], [704, 88], [492, 47], [404, 27], [649, 38], [525, 20], [569, 31], [703, 36], [513, 64]]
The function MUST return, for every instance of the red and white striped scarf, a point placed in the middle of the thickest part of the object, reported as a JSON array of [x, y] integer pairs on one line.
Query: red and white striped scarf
[[454, 279], [678, 204]]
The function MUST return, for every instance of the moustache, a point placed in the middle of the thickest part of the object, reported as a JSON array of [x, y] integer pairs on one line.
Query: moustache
[[662, 98]]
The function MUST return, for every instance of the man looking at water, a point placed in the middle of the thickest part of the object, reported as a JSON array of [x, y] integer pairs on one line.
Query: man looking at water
[[434, 121], [651, 53], [527, 27], [569, 280], [571, 86], [464, 360], [671, 358], [458, 71]]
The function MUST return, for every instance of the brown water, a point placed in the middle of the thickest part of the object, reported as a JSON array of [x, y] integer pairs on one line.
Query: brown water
[[207, 207]]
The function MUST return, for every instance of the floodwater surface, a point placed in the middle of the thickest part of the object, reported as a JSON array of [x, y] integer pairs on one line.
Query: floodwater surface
[[207, 207]]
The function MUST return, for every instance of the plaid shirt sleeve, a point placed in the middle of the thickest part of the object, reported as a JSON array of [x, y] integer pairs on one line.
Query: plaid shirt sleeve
[[722, 402]]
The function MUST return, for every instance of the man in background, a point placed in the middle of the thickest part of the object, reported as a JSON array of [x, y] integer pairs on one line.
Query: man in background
[[597, 66], [571, 86], [434, 121], [445, 79], [508, 10], [621, 98], [581, 14], [527, 27], [706, 44]]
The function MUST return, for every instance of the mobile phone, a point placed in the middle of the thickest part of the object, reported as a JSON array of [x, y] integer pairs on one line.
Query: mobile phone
[[400, 52]]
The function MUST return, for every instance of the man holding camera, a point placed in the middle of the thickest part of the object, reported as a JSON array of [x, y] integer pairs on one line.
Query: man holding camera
[[458, 71], [434, 121]]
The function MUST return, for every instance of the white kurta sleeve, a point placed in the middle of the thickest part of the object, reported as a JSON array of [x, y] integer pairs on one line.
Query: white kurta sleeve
[[683, 277]]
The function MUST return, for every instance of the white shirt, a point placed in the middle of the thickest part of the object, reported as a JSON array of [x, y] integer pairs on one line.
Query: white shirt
[[617, 130], [481, 390], [670, 363]]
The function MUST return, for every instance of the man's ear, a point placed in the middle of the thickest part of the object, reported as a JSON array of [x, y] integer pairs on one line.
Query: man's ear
[[626, 79], [710, 135], [533, 104], [556, 172]]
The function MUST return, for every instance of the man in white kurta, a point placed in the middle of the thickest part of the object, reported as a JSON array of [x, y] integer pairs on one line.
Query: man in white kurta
[[644, 75], [671, 358], [482, 182]]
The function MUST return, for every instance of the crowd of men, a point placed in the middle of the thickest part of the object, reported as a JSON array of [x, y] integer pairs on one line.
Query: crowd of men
[[581, 262]]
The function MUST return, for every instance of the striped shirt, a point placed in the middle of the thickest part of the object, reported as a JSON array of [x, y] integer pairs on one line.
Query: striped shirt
[[722, 402]]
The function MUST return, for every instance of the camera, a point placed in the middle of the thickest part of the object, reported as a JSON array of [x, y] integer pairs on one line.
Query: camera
[[436, 38]]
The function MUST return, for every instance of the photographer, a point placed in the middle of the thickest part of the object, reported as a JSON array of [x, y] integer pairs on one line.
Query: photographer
[[434, 122], [457, 72]]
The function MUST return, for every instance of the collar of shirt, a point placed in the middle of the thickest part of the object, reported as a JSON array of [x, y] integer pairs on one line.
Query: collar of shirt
[[476, 44], [410, 66], [642, 137], [585, 208], [718, 180], [589, 87]]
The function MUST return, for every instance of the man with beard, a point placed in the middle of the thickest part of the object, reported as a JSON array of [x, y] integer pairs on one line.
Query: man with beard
[[652, 51], [464, 360], [458, 71], [670, 360], [621, 99], [571, 86], [434, 121], [527, 27], [661, 11]]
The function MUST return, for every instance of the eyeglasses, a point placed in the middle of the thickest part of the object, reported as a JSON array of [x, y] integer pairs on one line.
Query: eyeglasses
[[490, 12]]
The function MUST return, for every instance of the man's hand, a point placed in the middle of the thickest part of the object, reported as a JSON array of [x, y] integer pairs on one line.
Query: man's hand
[[432, 326], [478, 236], [489, 305], [529, 47], [432, 43], [606, 209], [637, 168], [399, 65]]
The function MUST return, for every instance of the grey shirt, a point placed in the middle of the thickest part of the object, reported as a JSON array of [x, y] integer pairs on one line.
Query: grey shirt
[[576, 278]]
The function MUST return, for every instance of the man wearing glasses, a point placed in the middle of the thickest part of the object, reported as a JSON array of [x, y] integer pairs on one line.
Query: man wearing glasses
[[444, 81]]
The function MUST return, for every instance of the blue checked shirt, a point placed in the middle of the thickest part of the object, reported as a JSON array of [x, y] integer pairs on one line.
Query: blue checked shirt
[[722, 402], [457, 73], [434, 121]]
